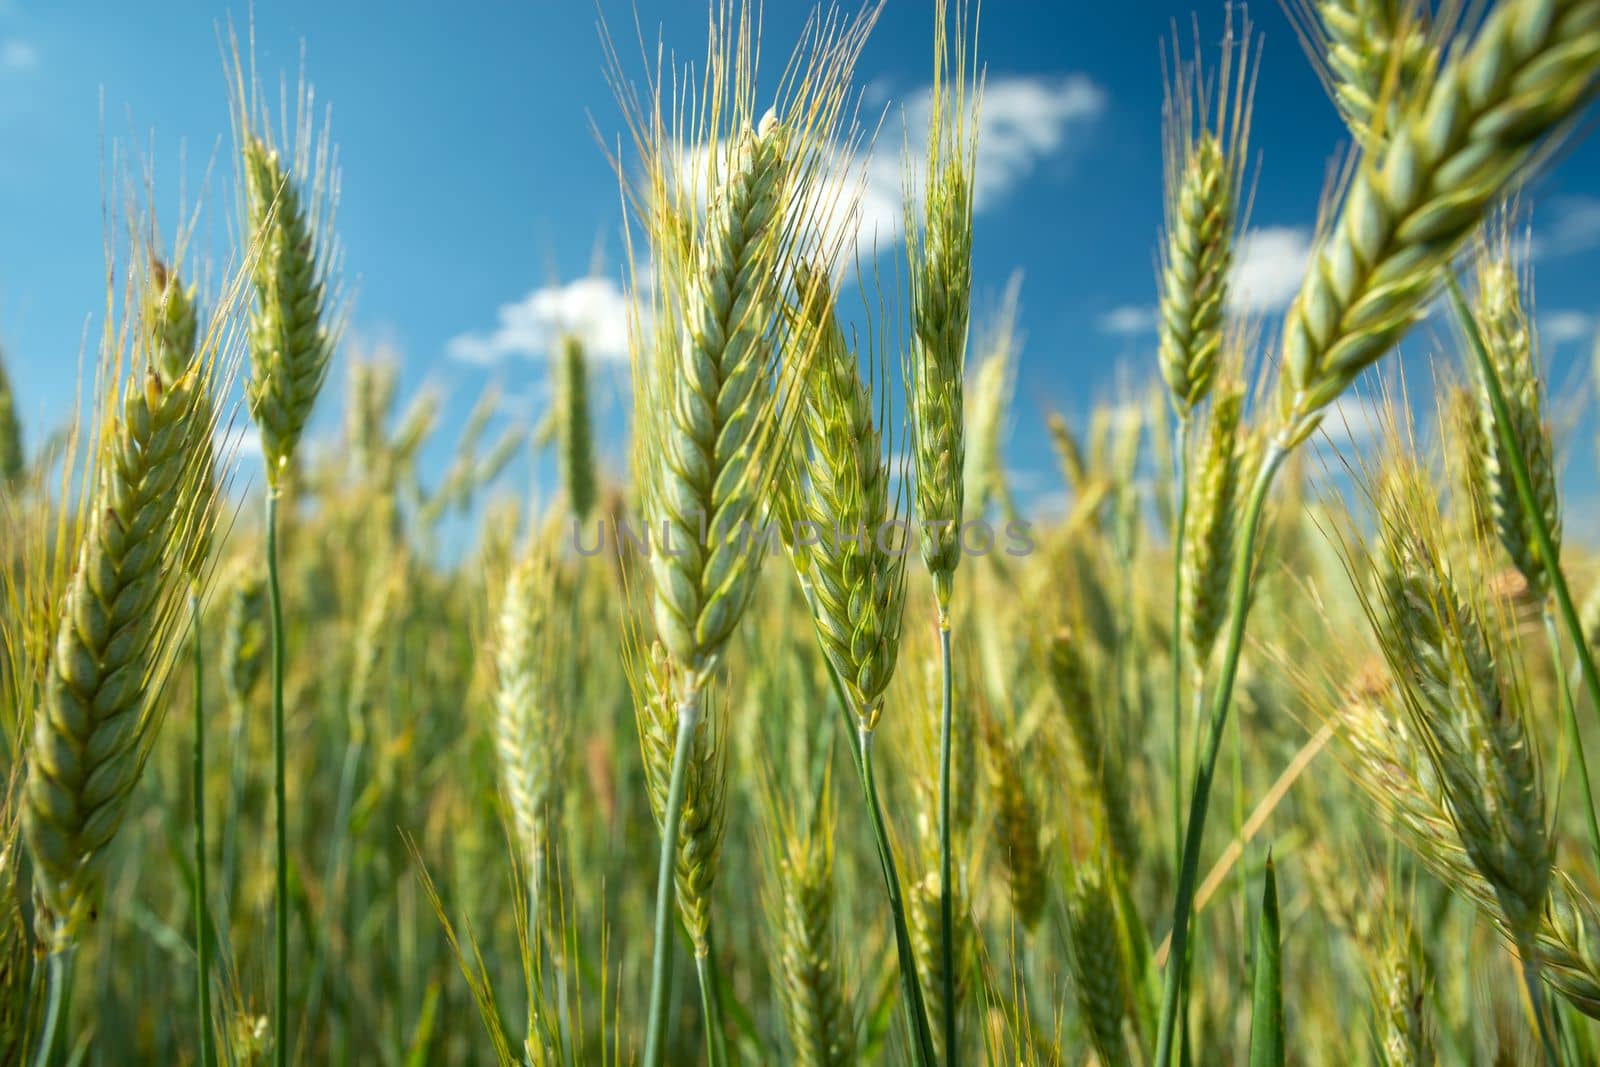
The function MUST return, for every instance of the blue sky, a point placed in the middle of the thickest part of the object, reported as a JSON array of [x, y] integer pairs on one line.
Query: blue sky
[[477, 200]]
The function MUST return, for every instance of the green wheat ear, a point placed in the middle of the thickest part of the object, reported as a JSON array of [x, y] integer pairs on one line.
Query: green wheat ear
[[577, 447], [12, 459], [294, 326]]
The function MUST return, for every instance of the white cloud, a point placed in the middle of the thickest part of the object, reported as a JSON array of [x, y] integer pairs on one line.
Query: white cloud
[[17, 55], [594, 308], [1025, 119], [1129, 320], [1267, 268], [1564, 327], [1571, 225]]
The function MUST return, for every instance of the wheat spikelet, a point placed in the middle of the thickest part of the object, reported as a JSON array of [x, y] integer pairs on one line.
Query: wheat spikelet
[[705, 792], [294, 323], [939, 248], [577, 449], [809, 968], [1509, 339], [1455, 151], [1373, 55], [1399, 998], [1094, 955], [1219, 483], [529, 731], [840, 501], [116, 629], [1204, 155]]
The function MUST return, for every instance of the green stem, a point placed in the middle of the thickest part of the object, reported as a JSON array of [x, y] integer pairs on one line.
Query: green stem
[[280, 1008], [1524, 482], [711, 1008], [688, 719], [1206, 765], [202, 918], [1574, 736], [911, 986], [54, 1017], [946, 866], [1530, 979], [1181, 495]]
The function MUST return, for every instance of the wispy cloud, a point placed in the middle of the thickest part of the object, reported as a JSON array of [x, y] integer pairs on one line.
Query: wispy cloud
[[1268, 266], [593, 308], [1130, 320], [1569, 224], [17, 55], [1564, 327]]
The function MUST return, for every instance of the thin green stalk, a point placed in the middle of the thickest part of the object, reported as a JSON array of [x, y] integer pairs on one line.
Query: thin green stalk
[[1574, 736], [1180, 487], [54, 1017], [711, 1010], [1524, 483], [202, 918], [922, 1043], [947, 925], [280, 1008], [688, 719], [1205, 767], [1531, 979]]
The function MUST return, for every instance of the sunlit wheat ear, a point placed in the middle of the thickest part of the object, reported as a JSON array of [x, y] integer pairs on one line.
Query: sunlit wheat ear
[[12, 460], [1454, 152], [989, 411], [290, 191], [808, 966], [730, 198], [1464, 708], [1219, 482], [1400, 995], [1016, 826], [529, 729], [939, 246], [1509, 338], [577, 444], [1095, 959], [656, 690], [1373, 55], [848, 526], [1206, 145], [116, 635]]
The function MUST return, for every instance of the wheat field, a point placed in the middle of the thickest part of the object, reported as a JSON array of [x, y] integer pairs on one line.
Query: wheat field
[[806, 737]]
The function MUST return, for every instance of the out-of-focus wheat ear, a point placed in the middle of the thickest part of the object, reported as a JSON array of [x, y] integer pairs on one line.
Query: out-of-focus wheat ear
[[290, 190], [1399, 980], [939, 246], [989, 409], [244, 639], [1509, 338], [577, 445], [12, 458], [1469, 715], [705, 791], [529, 731], [1069, 674], [923, 915], [1095, 959], [1372, 56], [809, 967], [1017, 830], [1219, 480], [1069, 453], [1205, 150], [1456, 150], [841, 497], [115, 639]]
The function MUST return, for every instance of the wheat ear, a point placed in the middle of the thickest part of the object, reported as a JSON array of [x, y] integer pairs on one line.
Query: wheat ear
[[11, 455]]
